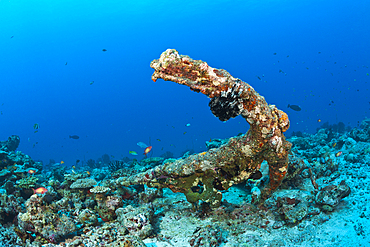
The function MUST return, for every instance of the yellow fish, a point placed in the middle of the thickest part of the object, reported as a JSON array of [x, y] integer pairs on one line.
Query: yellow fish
[[62, 162]]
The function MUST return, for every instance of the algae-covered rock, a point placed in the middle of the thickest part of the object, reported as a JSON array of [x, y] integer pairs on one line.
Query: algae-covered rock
[[11, 144], [216, 143], [88, 217], [331, 195], [136, 220]]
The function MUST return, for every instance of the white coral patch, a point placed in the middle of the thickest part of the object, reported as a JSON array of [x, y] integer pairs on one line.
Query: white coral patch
[[205, 165], [277, 142], [203, 66], [247, 150], [282, 169], [265, 131]]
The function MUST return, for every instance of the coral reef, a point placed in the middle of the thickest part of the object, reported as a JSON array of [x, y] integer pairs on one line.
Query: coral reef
[[324, 183], [111, 234], [43, 222], [8, 237]]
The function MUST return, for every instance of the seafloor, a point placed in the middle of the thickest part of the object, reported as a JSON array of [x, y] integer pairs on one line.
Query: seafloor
[[323, 201]]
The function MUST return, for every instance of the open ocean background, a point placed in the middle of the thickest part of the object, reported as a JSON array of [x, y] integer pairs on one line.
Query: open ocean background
[[312, 53]]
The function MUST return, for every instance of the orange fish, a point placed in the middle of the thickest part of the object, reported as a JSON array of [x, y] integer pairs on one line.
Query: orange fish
[[88, 173], [62, 162], [338, 154], [147, 150], [31, 171], [334, 145], [40, 190]]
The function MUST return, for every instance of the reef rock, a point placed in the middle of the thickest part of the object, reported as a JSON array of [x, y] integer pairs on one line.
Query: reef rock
[[136, 220], [11, 144], [331, 195]]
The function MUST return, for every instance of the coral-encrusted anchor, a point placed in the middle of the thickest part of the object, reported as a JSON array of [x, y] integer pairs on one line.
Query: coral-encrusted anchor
[[234, 162]]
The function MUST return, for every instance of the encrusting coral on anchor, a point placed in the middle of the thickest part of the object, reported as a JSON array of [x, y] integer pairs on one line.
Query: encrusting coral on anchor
[[203, 176]]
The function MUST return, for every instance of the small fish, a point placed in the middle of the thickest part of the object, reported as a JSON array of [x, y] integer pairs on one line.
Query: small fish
[[319, 120], [77, 161], [88, 173], [31, 171], [66, 63], [62, 162], [274, 53], [73, 167], [104, 50], [159, 140], [92, 82], [132, 152], [338, 154], [295, 107], [334, 145], [188, 125], [142, 144], [367, 74], [40, 190], [12, 37], [35, 131], [184, 133], [147, 150], [36, 126], [74, 137]]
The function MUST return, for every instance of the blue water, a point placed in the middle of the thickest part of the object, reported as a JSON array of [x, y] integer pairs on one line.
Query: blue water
[[322, 47]]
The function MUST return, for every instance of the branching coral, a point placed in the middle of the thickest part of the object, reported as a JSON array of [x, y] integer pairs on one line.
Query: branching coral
[[202, 176]]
